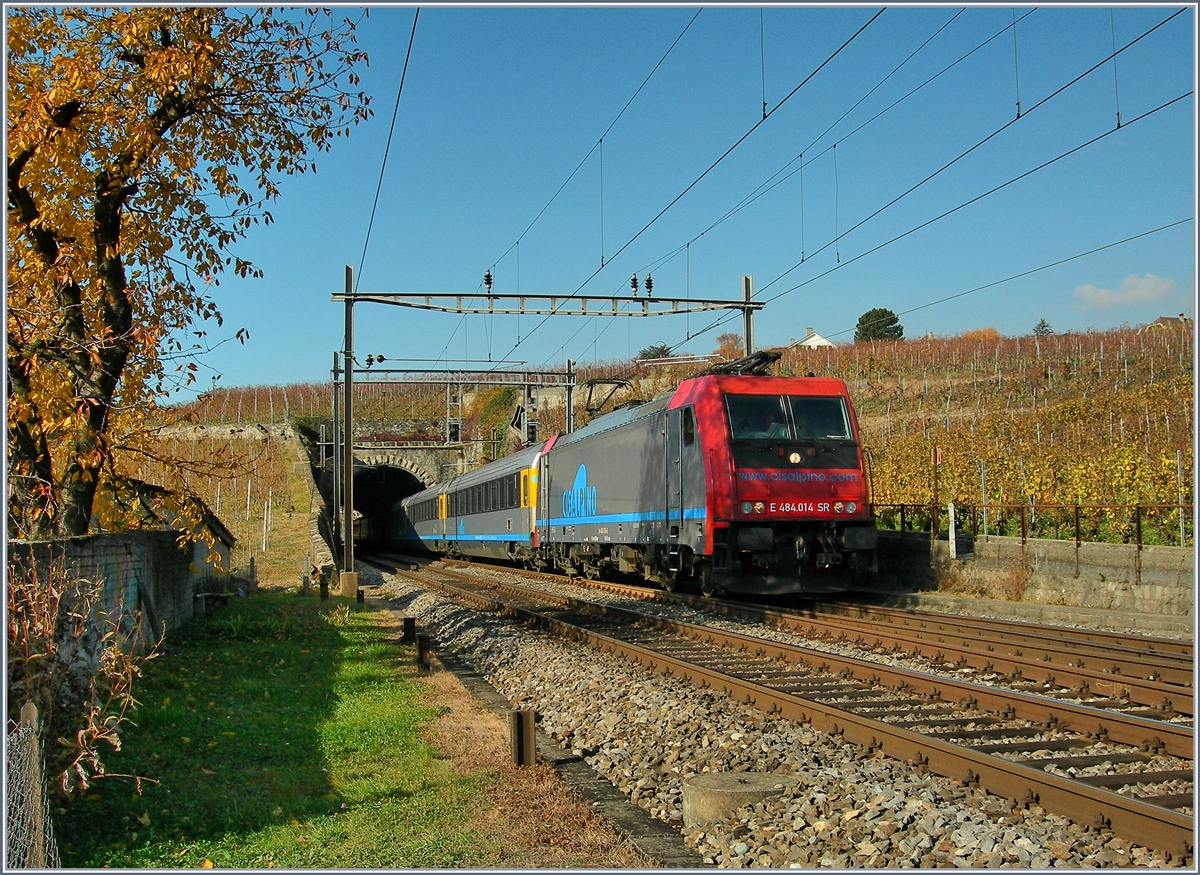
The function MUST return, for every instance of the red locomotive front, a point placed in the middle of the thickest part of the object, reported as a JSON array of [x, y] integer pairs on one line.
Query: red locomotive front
[[787, 499]]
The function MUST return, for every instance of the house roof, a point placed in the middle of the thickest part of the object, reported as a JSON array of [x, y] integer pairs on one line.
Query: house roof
[[814, 339]]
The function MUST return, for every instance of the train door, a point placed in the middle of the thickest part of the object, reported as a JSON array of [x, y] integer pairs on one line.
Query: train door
[[542, 511], [674, 475]]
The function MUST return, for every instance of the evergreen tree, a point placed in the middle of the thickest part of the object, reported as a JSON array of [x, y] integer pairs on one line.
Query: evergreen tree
[[878, 324]]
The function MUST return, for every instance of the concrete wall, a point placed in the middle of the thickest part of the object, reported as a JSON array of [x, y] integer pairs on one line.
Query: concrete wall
[[1157, 580], [146, 572]]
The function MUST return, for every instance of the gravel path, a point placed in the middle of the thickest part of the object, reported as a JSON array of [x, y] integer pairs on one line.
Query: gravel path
[[646, 734]]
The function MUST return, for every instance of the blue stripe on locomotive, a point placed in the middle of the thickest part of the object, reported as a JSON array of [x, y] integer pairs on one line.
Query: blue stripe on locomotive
[[689, 513]]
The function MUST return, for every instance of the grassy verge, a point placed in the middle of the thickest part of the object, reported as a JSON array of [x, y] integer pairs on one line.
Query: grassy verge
[[282, 732]]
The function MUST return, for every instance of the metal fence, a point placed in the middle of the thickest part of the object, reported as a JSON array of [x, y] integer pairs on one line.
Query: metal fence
[[31, 842], [1140, 524]]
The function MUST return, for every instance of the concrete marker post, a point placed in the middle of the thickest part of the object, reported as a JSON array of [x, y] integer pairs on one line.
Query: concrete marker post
[[953, 535], [524, 747]]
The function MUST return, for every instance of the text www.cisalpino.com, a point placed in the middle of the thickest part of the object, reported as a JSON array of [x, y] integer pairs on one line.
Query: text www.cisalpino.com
[[799, 476]]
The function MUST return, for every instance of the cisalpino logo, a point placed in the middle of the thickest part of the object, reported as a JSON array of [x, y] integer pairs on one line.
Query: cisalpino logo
[[580, 499]]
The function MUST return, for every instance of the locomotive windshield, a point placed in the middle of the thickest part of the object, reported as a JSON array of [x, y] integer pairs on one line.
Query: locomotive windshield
[[787, 417], [762, 425]]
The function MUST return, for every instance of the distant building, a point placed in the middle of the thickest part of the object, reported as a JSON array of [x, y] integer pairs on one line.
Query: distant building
[[811, 338], [1179, 321]]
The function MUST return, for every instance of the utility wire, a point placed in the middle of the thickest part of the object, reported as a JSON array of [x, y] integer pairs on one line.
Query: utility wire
[[1010, 278], [599, 143], [987, 193], [977, 145], [1033, 270], [723, 319], [771, 183], [697, 180], [387, 148], [767, 186]]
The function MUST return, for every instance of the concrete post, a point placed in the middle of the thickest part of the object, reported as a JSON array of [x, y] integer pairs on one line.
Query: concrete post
[[37, 844], [953, 537], [524, 749]]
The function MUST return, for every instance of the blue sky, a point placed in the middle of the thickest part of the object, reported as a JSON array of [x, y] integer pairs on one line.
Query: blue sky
[[501, 104]]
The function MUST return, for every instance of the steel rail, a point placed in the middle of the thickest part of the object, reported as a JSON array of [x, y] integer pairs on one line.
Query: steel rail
[[1146, 823], [1165, 648], [956, 648], [1166, 693], [1173, 738]]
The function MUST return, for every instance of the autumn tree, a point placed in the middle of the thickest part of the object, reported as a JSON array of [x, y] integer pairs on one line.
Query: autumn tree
[[143, 143], [730, 346]]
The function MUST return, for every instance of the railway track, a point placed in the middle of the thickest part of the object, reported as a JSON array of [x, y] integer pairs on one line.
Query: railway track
[[1151, 677], [1100, 766]]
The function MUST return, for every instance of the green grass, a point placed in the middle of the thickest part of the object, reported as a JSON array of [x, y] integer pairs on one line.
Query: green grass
[[281, 732]]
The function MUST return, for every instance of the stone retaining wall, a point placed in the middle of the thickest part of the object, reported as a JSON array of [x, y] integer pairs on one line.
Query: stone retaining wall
[[1156, 580], [146, 572], [322, 555]]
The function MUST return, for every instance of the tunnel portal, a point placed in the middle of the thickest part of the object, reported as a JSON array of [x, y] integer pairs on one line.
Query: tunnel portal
[[377, 489]]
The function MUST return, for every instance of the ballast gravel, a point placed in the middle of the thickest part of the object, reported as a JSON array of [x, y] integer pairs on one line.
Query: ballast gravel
[[646, 734]]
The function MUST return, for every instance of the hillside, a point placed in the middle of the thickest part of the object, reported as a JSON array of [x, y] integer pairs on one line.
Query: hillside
[[1102, 418]]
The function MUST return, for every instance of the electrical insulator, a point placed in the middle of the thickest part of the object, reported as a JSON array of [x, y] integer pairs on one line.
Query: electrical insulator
[[633, 284], [487, 280], [649, 285]]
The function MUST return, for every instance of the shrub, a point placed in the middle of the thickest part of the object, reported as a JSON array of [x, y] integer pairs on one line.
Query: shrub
[[75, 663]]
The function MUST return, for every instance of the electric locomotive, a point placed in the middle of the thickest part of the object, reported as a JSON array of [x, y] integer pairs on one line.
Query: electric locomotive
[[733, 483]]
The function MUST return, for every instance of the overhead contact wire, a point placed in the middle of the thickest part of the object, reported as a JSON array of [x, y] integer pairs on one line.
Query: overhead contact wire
[[723, 156], [723, 319], [600, 141], [771, 182], [387, 148], [982, 142]]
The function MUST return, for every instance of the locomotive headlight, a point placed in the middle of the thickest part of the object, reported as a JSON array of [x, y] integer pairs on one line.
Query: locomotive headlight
[[759, 507], [794, 458], [851, 507], [837, 507], [745, 507]]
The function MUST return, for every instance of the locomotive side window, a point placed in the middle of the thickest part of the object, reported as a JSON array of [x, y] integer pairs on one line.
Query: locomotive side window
[[689, 427]]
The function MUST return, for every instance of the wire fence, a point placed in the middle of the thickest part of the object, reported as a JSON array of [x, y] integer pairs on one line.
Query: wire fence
[[1140, 524], [30, 836]]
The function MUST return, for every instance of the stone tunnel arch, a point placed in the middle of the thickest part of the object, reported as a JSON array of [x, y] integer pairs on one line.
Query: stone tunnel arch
[[380, 481], [390, 460]]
